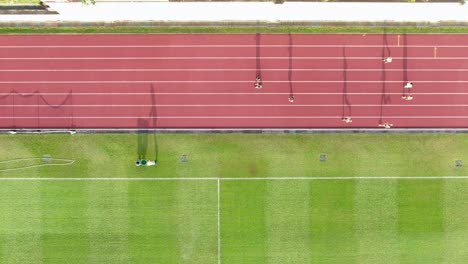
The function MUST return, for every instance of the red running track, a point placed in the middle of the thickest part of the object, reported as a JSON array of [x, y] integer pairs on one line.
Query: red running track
[[207, 80]]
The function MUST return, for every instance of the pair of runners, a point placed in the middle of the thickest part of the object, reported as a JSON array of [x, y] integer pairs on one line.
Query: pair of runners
[[407, 95], [258, 82], [409, 85], [258, 85], [384, 125]]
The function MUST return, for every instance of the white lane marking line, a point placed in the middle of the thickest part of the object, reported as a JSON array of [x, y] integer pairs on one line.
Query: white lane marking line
[[218, 93], [231, 46], [228, 117], [230, 70], [228, 81], [67, 162], [243, 105], [227, 58], [238, 179]]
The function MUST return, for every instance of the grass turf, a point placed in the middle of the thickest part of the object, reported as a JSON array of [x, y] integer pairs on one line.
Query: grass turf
[[263, 221], [233, 29], [240, 155]]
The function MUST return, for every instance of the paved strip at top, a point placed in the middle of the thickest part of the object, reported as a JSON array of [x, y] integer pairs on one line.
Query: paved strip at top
[[257, 13]]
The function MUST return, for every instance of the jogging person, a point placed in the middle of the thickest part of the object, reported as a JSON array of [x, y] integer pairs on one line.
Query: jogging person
[[387, 60], [347, 120], [386, 125], [408, 85]]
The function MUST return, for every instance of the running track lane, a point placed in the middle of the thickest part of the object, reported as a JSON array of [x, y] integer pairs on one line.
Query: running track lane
[[207, 80]]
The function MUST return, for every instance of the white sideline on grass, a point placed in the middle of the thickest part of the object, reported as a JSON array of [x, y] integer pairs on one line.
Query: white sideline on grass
[[236, 179], [67, 162]]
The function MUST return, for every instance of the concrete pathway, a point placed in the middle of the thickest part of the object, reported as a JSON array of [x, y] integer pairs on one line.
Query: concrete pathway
[[249, 11]]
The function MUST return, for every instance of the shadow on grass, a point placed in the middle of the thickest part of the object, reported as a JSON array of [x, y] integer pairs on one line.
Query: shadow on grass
[[143, 139]]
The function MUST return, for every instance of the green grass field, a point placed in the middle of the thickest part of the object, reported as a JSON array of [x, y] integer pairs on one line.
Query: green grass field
[[287, 220], [232, 29]]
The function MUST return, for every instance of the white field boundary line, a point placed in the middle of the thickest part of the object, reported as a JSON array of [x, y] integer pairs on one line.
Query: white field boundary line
[[234, 46], [230, 70], [223, 81], [240, 179], [230, 58], [245, 105], [219, 93], [219, 220], [67, 162], [228, 117]]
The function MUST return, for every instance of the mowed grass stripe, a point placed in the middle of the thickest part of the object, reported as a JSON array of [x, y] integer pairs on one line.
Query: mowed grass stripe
[[243, 222], [107, 216], [332, 222], [197, 237], [456, 221], [287, 222], [152, 230], [20, 223], [421, 221], [376, 217], [64, 233], [173, 222]]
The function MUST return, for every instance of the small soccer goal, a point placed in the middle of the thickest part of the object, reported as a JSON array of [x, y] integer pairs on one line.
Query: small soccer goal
[[184, 158], [323, 157]]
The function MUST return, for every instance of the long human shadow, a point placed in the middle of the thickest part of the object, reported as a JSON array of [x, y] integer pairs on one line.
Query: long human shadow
[[384, 98], [142, 146], [290, 64], [154, 119], [405, 60], [144, 125], [346, 103], [258, 66]]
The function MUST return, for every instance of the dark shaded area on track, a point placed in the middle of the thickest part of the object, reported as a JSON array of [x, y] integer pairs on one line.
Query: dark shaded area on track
[[346, 102], [385, 99], [60, 106], [258, 54], [290, 64], [405, 62]]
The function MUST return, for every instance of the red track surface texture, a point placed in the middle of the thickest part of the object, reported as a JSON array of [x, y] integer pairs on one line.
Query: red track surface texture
[[207, 80]]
